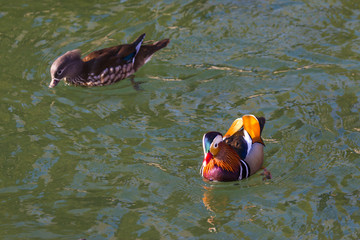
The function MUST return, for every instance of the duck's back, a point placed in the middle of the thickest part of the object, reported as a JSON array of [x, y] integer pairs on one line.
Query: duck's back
[[241, 141]]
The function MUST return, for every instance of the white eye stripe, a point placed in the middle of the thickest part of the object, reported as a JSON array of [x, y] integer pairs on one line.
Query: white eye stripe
[[216, 141], [60, 71]]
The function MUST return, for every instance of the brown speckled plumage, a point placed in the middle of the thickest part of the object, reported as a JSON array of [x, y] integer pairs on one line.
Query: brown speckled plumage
[[105, 66]]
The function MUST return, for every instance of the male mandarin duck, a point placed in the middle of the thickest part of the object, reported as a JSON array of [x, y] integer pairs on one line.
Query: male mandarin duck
[[236, 155], [105, 66]]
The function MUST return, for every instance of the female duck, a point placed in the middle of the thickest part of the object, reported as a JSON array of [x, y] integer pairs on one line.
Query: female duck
[[105, 66]]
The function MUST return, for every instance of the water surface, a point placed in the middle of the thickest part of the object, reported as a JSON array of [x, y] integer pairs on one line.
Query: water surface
[[115, 163]]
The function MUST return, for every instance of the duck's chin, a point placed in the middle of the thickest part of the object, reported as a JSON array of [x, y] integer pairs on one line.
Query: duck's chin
[[220, 175]]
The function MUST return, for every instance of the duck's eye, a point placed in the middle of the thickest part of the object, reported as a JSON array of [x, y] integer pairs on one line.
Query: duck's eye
[[215, 145], [59, 72]]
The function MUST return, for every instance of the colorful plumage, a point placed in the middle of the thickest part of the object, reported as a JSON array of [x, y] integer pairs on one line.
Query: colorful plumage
[[105, 66], [236, 155]]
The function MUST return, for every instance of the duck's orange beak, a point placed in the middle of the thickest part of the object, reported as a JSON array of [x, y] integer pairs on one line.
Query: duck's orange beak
[[208, 157]]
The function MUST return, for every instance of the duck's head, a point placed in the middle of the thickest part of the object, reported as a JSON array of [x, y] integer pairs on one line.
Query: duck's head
[[221, 162], [211, 142], [68, 65]]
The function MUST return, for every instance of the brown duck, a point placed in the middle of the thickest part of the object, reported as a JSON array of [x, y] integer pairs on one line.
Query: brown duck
[[105, 66]]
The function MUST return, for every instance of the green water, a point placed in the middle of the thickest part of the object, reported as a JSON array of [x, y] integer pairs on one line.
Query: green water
[[115, 163]]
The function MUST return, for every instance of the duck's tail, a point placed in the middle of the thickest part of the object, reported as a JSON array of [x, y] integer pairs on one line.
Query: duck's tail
[[160, 44], [147, 50]]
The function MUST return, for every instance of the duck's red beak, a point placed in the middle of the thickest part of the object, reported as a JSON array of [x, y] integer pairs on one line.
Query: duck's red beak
[[208, 157]]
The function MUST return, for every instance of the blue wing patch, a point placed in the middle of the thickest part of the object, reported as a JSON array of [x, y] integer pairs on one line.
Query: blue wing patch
[[129, 57]]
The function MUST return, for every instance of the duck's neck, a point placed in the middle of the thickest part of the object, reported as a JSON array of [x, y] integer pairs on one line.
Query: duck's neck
[[77, 80], [229, 165], [77, 76], [225, 163]]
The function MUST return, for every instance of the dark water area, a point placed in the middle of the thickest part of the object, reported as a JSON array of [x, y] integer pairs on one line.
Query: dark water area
[[115, 163]]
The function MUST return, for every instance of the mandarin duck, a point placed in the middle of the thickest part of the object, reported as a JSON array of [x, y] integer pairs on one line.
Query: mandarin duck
[[105, 66], [236, 155]]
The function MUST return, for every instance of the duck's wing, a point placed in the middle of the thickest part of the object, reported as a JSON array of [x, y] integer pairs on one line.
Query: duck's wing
[[113, 56], [243, 132], [239, 143], [254, 127]]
